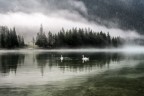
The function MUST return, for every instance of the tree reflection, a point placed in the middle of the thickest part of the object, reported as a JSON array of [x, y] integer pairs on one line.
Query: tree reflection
[[10, 62], [97, 60], [44, 59], [73, 61]]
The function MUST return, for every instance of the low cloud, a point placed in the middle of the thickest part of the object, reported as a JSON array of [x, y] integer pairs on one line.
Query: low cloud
[[27, 16]]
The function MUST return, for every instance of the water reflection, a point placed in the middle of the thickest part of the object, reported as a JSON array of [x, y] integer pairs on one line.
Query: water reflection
[[73, 61], [39, 74], [10, 62], [42, 68]]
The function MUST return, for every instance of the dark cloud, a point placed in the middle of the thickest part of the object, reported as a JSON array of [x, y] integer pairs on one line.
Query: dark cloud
[[114, 16], [124, 14], [44, 6], [127, 14]]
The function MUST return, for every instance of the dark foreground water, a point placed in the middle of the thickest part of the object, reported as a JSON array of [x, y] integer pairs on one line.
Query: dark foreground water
[[43, 74]]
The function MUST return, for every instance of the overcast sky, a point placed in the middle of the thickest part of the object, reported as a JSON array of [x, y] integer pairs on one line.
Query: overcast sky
[[28, 15]]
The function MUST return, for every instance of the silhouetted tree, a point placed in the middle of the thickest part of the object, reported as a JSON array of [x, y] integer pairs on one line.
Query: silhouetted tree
[[75, 38], [41, 39], [9, 38]]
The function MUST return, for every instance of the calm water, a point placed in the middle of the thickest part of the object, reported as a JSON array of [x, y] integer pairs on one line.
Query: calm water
[[43, 74]]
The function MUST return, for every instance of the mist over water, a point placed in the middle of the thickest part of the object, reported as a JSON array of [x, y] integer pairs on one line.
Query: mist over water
[[26, 72], [33, 71], [133, 49]]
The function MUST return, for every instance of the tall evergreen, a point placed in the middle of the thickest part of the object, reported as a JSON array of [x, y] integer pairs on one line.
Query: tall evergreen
[[9, 38], [41, 39]]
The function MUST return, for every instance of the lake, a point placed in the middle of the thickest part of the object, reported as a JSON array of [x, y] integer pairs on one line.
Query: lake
[[42, 73]]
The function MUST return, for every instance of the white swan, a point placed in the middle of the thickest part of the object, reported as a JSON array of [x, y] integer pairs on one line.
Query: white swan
[[61, 58], [85, 58]]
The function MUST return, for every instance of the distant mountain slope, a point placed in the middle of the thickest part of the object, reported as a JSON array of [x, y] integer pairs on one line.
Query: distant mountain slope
[[127, 14]]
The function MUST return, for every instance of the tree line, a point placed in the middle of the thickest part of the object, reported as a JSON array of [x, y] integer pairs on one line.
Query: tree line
[[76, 38], [72, 38], [10, 39]]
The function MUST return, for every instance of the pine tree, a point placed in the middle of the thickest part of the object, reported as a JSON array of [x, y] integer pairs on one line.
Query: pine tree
[[41, 39], [9, 38], [75, 38]]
